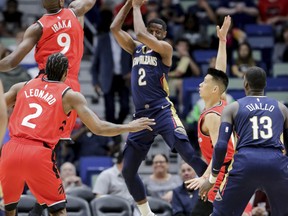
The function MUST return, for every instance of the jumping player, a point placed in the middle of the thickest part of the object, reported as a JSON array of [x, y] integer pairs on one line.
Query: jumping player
[[211, 90], [259, 161], [152, 59], [36, 123], [60, 30]]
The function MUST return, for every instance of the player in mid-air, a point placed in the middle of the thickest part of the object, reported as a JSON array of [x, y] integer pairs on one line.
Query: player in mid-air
[[212, 90], [36, 123], [259, 161], [60, 30], [152, 58]]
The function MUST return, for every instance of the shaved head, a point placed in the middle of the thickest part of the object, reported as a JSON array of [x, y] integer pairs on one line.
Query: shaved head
[[53, 6]]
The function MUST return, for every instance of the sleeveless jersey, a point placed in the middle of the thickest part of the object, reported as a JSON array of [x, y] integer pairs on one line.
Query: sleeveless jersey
[[205, 141], [38, 113], [259, 123], [62, 32], [148, 78]]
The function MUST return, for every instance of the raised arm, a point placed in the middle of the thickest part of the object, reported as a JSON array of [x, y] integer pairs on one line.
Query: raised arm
[[76, 101], [221, 60], [81, 7], [3, 113], [149, 39], [31, 37], [122, 37]]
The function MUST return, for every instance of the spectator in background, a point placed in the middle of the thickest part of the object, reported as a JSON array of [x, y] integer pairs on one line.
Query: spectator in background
[[280, 52], [242, 12], [69, 177], [173, 15], [110, 71], [183, 66], [184, 200], [160, 183], [111, 181], [192, 32], [12, 17], [244, 60], [204, 12], [16, 75], [273, 12]]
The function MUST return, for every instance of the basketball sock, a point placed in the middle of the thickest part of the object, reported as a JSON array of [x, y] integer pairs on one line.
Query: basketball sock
[[145, 209]]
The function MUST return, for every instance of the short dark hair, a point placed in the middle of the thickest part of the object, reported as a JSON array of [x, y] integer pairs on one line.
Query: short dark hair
[[220, 77], [158, 21], [56, 66], [256, 78], [185, 40], [165, 157]]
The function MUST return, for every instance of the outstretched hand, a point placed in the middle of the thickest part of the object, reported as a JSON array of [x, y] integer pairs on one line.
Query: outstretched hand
[[141, 124], [222, 32], [195, 183]]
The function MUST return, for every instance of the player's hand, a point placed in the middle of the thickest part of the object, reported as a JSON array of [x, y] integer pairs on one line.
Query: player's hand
[[138, 3], [222, 32], [195, 183], [129, 2], [141, 124], [204, 189]]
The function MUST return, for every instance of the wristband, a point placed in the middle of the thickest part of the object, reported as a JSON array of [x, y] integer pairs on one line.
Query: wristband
[[212, 179]]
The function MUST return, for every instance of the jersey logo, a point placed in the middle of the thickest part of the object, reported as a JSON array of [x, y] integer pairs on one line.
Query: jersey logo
[[59, 17], [163, 107], [63, 124], [218, 196], [61, 189]]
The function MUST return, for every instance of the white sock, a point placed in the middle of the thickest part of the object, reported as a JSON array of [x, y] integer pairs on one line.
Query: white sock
[[145, 209]]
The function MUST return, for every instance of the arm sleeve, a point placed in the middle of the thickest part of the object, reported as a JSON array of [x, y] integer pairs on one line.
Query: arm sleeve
[[220, 150]]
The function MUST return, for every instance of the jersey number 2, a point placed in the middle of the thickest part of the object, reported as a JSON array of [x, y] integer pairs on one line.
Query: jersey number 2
[[267, 124], [25, 121], [142, 74]]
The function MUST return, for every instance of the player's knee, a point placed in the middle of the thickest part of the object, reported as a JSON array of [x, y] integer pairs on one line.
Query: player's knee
[[182, 144]]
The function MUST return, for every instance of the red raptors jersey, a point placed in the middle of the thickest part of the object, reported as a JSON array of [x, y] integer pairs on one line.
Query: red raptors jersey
[[62, 32], [38, 113], [205, 141]]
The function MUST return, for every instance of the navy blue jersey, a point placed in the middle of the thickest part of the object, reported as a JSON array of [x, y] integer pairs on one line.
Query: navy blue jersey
[[148, 77], [259, 122]]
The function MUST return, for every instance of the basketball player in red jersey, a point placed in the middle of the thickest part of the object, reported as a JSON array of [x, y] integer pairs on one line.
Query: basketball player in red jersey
[[3, 113], [35, 127], [214, 85], [60, 30]]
